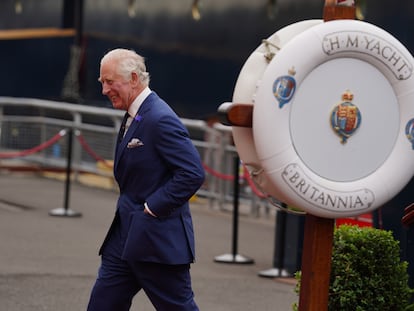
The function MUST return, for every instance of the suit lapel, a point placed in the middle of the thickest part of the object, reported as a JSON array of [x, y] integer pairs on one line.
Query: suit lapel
[[136, 123]]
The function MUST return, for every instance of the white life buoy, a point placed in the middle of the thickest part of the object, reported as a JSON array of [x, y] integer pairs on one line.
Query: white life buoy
[[333, 119], [244, 91]]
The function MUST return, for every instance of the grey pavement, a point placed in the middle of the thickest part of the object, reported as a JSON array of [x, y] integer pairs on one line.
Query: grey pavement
[[50, 263]]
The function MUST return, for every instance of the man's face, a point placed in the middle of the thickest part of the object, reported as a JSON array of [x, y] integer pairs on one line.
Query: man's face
[[116, 87]]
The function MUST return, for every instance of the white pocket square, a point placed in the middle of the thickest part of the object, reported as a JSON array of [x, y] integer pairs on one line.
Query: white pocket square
[[135, 142]]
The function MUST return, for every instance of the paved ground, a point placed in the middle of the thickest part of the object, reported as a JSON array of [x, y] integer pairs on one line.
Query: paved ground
[[49, 263]]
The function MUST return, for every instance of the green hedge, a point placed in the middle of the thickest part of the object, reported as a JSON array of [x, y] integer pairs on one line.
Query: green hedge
[[367, 273]]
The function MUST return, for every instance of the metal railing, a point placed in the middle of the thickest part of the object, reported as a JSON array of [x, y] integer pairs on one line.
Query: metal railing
[[27, 122]]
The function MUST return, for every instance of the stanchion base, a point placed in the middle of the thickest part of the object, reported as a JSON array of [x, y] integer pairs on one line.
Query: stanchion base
[[230, 258], [62, 212], [275, 273]]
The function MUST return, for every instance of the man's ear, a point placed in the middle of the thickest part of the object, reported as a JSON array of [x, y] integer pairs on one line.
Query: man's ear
[[134, 79]]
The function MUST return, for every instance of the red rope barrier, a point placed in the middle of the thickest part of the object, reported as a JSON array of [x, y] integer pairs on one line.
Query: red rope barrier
[[46, 144], [217, 174], [245, 176], [89, 150], [98, 158]]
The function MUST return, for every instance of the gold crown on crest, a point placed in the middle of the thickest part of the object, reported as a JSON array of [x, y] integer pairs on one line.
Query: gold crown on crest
[[347, 96]]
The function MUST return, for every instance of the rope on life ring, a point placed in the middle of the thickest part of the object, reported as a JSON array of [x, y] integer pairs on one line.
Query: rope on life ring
[[244, 91], [333, 119]]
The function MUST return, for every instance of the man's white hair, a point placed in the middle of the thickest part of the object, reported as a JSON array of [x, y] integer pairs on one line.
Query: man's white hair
[[128, 61]]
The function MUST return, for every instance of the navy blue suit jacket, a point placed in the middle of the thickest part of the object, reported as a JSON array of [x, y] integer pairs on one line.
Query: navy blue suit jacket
[[156, 162]]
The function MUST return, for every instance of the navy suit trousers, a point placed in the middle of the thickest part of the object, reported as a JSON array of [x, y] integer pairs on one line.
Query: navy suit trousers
[[167, 286]]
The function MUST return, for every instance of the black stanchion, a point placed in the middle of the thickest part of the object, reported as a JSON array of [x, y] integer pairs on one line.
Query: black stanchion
[[234, 257], [279, 249], [66, 211]]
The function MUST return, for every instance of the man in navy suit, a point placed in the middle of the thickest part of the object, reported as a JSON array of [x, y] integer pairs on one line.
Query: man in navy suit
[[150, 244]]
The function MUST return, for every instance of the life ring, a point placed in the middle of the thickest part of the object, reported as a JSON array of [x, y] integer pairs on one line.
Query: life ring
[[244, 91], [333, 119]]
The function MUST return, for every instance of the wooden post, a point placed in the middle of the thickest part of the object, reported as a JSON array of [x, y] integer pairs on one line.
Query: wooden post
[[318, 239], [316, 263], [331, 12], [318, 235]]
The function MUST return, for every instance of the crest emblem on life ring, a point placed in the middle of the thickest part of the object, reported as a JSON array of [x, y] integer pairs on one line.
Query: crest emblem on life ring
[[345, 117], [409, 131], [284, 87]]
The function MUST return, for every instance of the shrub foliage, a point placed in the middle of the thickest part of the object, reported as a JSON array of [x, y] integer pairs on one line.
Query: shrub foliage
[[367, 273]]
